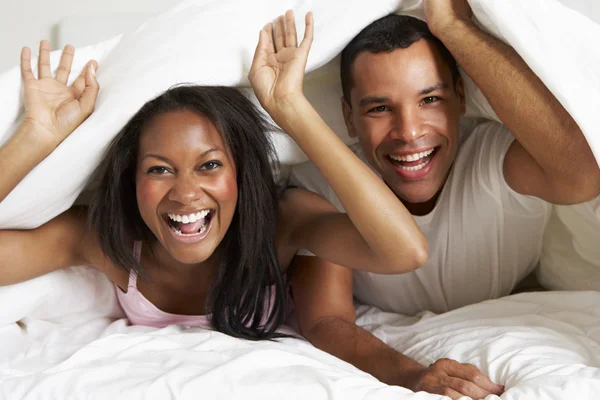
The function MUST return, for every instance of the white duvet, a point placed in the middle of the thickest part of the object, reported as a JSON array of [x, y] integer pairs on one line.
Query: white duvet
[[62, 335], [212, 42], [72, 343]]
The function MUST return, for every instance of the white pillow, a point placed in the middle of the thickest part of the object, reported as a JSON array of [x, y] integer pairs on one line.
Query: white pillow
[[571, 250], [213, 43]]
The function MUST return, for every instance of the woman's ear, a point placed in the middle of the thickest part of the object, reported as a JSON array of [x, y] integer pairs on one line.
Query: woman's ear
[[347, 111]]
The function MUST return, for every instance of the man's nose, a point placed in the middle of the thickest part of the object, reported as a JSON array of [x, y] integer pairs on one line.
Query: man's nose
[[407, 126]]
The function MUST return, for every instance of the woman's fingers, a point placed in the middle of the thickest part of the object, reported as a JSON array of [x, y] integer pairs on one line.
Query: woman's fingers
[[283, 32], [291, 37], [88, 97], [44, 60], [64, 66], [309, 32], [26, 72], [279, 34]]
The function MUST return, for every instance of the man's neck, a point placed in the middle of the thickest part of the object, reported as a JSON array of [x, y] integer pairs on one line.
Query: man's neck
[[420, 209]]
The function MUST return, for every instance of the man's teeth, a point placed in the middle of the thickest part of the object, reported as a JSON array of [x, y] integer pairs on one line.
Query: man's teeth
[[188, 218], [412, 157], [415, 168]]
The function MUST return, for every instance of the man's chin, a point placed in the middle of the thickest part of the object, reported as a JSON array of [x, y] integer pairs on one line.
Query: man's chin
[[420, 198]]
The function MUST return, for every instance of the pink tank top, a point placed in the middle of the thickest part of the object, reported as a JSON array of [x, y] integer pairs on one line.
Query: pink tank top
[[140, 311]]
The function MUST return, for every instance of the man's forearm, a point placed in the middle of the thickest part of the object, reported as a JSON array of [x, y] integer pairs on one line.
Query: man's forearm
[[520, 99], [362, 349]]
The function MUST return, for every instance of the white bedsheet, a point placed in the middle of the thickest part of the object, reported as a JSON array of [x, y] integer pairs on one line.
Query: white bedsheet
[[76, 346]]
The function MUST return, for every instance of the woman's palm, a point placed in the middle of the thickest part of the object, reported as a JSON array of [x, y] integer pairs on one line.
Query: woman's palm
[[278, 67], [53, 106]]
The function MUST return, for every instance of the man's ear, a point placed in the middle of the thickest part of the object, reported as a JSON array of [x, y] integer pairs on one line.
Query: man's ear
[[459, 89], [347, 111]]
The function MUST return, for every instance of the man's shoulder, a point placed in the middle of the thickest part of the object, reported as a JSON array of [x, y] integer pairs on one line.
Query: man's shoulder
[[484, 148], [481, 160]]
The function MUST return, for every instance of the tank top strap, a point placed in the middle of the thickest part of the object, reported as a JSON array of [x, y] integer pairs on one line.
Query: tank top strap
[[137, 253]]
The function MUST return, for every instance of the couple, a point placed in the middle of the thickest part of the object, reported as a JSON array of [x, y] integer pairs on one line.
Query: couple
[[187, 184]]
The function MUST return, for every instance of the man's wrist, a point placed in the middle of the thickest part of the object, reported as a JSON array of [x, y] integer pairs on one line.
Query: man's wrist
[[449, 28], [408, 372]]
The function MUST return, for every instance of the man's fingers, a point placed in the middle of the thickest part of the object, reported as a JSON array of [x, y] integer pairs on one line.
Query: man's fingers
[[470, 373], [64, 66], [291, 37], [466, 388], [453, 394], [26, 72], [279, 34], [44, 60]]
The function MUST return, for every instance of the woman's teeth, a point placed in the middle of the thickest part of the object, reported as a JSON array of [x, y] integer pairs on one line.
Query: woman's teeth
[[201, 231], [188, 218], [191, 224]]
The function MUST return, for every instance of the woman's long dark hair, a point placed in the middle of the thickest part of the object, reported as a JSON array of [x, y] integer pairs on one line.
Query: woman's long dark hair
[[249, 282]]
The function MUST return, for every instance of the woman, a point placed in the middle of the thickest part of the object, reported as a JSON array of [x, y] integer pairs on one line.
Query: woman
[[187, 201]]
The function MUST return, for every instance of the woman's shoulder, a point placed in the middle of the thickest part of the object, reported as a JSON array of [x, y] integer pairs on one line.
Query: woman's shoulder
[[90, 250]]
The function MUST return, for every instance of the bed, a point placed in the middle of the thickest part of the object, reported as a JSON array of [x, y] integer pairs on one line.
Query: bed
[[64, 336]]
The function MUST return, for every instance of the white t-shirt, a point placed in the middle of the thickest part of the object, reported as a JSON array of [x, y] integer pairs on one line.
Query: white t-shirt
[[483, 236]]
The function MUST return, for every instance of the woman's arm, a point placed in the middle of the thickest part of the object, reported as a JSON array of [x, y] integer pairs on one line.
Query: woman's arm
[[55, 245], [52, 111], [382, 235]]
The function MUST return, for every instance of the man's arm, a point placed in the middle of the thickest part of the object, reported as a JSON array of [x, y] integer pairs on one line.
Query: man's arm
[[551, 158], [322, 294]]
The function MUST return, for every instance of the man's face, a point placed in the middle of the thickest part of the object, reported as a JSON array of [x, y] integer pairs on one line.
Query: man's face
[[405, 112]]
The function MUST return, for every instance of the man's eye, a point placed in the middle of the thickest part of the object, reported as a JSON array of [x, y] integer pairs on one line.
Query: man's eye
[[430, 99], [378, 109], [211, 165], [158, 170]]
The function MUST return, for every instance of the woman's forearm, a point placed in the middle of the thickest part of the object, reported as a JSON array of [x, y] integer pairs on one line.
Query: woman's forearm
[[20, 154], [381, 218]]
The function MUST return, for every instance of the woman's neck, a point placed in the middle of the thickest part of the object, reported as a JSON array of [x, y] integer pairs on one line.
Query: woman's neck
[[179, 275]]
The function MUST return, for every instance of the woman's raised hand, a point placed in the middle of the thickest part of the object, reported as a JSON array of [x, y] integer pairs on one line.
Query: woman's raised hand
[[52, 107], [279, 62]]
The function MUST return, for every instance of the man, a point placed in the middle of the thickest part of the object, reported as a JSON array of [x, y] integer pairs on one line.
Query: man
[[482, 203]]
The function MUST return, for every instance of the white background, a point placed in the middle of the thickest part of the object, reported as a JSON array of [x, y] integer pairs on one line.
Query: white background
[[26, 22]]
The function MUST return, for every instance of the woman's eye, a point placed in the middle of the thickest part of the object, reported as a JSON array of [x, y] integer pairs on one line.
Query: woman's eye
[[211, 165], [430, 99], [158, 170]]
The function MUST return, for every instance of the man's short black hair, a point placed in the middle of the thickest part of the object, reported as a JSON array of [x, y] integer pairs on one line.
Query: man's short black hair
[[385, 35]]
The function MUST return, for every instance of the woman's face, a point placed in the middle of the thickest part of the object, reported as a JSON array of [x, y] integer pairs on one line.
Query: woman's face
[[185, 184]]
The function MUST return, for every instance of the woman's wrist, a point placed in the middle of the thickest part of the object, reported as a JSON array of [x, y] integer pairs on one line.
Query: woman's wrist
[[41, 137], [287, 108]]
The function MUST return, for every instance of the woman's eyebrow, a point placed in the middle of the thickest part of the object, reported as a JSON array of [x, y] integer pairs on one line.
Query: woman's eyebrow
[[167, 160]]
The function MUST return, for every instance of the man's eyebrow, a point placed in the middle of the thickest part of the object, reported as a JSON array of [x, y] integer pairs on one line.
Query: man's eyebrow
[[372, 100], [439, 86]]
